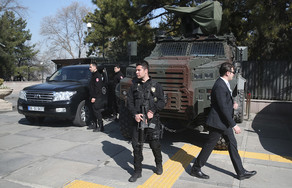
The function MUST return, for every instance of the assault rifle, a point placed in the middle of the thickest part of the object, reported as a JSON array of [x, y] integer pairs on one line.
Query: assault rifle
[[142, 125]]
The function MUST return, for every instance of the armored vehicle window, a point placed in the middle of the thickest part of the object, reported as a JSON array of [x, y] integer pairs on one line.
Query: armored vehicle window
[[198, 75], [209, 75], [207, 49], [170, 49]]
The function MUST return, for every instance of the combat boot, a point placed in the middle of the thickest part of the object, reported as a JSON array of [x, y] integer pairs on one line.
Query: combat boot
[[101, 127], [113, 118], [96, 128], [159, 169], [92, 125], [135, 176]]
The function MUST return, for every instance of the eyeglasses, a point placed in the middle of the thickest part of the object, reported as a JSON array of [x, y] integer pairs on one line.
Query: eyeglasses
[[232, 72]]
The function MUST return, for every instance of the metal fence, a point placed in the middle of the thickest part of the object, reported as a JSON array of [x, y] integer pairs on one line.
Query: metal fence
[[268, 80]]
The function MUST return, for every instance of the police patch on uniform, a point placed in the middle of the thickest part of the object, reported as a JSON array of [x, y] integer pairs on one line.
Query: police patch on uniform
[[153, 89], [97, 80]]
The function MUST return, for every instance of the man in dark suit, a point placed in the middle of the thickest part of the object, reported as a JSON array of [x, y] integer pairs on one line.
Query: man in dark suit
[[221, 123]]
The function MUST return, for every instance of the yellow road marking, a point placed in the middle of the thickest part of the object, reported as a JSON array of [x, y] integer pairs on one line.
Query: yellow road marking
[[174, 167], [261, 156], [84, 184]]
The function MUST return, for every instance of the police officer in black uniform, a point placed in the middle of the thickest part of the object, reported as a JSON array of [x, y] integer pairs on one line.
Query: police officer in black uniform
[[95, 94], [145, 91], [117, 77]]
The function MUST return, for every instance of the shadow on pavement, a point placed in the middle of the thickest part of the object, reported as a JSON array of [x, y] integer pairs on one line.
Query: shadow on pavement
[[167, 146], [274, 131], [188, 137], [123, 161], [48, 122]]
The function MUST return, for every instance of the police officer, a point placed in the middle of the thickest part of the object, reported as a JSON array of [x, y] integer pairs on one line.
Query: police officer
[[117, 77], [145, 91], [95, 94]]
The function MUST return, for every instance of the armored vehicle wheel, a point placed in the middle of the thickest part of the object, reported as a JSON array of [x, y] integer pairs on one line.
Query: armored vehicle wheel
[[34, 120], [126, 121], [221, 144], [82, 114], [239, 113]]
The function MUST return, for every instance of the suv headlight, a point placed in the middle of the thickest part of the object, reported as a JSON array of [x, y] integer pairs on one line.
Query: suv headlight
[[22, 95], [63, 95]]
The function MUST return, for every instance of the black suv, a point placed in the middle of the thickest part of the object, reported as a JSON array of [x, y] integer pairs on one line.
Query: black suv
[[64, 95]]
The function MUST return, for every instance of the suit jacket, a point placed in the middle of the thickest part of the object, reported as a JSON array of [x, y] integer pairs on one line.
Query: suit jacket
[[221, 113]]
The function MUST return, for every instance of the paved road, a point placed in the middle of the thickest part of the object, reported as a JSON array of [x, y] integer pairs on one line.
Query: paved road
[[56, 154]]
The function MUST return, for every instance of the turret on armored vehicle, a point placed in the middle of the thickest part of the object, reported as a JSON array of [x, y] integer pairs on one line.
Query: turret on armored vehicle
[[187, 67]]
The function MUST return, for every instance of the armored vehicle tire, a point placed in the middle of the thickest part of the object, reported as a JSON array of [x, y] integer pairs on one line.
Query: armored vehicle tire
[[82, 114], [34, 120], [126, 121], [240, 111], [221, 144]]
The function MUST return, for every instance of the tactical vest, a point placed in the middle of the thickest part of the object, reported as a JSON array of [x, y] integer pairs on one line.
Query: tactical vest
[[145, 95]]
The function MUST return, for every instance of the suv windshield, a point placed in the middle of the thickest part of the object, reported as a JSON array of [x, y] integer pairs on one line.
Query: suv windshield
[[81, 74]]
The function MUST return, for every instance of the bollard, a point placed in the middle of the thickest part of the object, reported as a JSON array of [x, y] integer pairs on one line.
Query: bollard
[[248, 104]]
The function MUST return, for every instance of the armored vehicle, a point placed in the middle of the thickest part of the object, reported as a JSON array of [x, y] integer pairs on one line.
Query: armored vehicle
[[187, 68]]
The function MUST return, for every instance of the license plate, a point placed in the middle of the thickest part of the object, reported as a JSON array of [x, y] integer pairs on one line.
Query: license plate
[[36, 108]]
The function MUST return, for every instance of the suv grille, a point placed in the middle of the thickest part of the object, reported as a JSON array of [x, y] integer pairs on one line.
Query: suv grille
[[41, 97]]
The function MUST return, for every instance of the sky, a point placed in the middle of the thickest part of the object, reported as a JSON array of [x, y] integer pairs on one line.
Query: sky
[[38, 9]]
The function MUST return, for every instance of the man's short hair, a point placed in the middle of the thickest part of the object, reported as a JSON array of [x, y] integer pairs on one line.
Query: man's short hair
[[225, 67], [144, 64], [94, 64], [117, 65]]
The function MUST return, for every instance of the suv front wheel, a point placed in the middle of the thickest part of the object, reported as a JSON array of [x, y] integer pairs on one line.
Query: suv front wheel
[[82, 114]]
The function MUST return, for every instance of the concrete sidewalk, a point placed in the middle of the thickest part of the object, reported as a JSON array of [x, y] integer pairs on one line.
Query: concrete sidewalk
[[56, 154]]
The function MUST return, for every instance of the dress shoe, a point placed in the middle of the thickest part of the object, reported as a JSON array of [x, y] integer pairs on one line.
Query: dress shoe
[[199, 174], [246, 175], [159, 169], [135, 176]]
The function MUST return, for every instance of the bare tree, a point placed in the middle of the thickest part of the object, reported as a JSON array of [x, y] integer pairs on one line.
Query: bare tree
[[12, 5], [66, 30]]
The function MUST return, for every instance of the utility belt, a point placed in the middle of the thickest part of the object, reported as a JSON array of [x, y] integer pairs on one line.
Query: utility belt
[[151, 131]]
